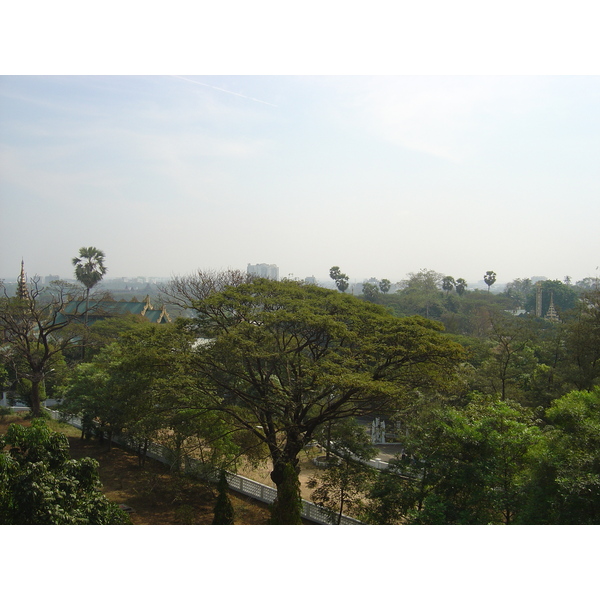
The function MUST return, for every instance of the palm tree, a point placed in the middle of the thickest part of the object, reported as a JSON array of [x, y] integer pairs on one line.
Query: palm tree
[[461, 285], [341, 279], [89, 270], [448, 284], [490, 279], [385, 285]]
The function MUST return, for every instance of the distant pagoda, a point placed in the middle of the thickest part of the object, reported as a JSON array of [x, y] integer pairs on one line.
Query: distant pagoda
[[22, 291], [552, 315]]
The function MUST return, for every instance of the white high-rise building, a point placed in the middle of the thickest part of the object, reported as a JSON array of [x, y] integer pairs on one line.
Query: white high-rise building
[[264, 270]]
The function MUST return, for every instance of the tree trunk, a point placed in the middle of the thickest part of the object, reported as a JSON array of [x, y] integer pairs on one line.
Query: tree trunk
[[142, 452], [177, 453], [287, 508], [85, 322], [36, 408], [341, 511]]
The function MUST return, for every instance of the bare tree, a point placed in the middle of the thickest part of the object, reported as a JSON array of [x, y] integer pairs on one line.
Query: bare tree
[[36, 329], [184, 291]]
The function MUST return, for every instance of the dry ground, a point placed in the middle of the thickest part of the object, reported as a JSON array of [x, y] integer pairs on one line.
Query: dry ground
[[157, 496], [307, 471]]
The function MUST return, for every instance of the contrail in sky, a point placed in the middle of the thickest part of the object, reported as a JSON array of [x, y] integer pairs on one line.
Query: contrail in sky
[[226, 91]]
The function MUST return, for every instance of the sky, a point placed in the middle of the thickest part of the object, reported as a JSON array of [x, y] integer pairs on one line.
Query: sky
[[381, 175]]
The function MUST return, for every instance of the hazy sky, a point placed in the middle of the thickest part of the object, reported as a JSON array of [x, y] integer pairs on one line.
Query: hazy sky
[[381, 175]]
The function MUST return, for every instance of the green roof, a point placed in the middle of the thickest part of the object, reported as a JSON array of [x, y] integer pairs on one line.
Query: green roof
[[104, 309]]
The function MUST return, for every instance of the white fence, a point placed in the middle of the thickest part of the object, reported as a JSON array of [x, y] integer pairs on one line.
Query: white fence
[[243, 485]]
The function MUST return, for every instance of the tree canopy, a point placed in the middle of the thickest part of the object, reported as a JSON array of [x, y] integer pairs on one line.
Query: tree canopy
[[283, 358]]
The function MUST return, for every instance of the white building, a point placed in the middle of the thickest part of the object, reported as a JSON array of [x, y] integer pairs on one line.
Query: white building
[[264, 270]]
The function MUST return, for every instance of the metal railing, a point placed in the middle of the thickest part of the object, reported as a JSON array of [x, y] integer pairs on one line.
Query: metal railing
[[243, 485]]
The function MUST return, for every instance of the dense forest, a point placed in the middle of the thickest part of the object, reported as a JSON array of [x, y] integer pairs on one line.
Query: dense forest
[[494, 397]]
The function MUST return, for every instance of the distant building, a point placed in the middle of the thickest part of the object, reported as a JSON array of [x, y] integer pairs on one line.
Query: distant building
[[51, 278], [105, 309], [311, 280], [551, 314], [264, 270]]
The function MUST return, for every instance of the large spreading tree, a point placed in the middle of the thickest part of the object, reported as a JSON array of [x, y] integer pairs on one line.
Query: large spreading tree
[[140, 385], [283, 359]]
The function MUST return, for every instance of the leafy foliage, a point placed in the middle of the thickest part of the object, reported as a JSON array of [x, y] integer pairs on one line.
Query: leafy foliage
[[40, 485], [582, 343], [462, 466], [565, 484], [370, 291], [283, 358], [344, 484], [143, 385]]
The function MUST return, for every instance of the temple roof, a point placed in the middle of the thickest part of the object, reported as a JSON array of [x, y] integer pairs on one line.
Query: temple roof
[[104, 309]]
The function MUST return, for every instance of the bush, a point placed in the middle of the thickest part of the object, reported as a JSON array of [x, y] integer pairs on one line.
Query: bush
[[41, 485], [224, 513], [4, 412]]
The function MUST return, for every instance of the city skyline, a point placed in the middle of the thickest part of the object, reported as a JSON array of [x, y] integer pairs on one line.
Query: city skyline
[[381, 175], [108, 281]]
